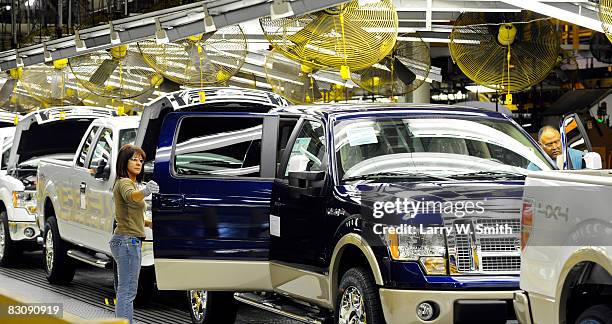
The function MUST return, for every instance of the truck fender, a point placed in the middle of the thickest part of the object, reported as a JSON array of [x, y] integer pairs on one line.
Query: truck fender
[[351, 239], [8, 184], [584, 254]]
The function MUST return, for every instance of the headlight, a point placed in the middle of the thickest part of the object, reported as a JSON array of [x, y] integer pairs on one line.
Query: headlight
[[428, 249], [25, 199]]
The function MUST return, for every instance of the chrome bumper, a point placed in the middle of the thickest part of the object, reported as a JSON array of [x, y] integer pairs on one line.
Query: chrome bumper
[[400, 306], [18, 229]]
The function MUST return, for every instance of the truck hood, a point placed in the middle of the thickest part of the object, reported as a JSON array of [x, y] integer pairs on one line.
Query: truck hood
[[494, 197]]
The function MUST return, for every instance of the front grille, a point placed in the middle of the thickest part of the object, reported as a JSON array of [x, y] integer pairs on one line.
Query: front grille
[[485, 253], [499, 244], [493, 263]]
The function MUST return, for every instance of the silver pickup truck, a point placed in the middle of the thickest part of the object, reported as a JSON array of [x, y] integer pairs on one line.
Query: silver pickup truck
[[52, 132]]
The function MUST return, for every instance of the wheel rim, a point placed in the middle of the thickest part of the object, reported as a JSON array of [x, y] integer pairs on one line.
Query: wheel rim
[[198, 300], [2, 238], [352, 307], [49, 251], [591, 321]]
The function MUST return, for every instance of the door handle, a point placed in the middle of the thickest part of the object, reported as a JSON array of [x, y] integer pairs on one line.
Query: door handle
[[163, 201]]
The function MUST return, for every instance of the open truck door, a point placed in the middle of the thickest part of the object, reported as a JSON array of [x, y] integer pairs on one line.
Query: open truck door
[[577, 149], [211, 218]]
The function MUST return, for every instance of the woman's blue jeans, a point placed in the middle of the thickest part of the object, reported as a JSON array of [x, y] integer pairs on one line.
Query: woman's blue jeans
[[126, 251]]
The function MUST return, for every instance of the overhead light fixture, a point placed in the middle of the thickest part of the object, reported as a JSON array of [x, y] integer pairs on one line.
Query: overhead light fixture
[[78, 42], [280, 9], [209, 23], [46, 53], [114, 35], [161, 37]]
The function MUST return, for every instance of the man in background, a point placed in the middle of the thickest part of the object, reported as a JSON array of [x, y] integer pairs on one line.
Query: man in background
[[549, 139]]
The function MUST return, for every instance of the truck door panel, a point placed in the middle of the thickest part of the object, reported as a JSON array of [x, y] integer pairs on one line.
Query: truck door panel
[[224, 167], [69, 189]]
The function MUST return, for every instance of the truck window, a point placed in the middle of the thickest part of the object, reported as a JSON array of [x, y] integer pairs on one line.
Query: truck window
[[85, 149], [103, 148], [127, 136], [218, 146], [308, 151]]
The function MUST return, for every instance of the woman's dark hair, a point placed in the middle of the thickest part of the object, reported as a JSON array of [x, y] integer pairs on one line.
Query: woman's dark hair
[[125, 154]]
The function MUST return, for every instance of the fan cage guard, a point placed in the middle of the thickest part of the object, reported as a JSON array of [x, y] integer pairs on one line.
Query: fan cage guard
[[132, 76], [384, 81], [475, 48], [199, 63], [288, 79], [605, 15], [370, 33], [50, 85]]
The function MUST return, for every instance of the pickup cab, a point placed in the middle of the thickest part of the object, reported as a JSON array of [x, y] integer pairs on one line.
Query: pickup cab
[[53, 132], [76, 209], [75, 206], [288, 217], [566, 265]]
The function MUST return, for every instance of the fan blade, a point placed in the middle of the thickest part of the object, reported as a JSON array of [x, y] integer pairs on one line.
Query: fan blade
[[57, 84], [321, 25], [285, 68], [169, 86], [7, 89], [403, 73], [103, 72], [316, 90]]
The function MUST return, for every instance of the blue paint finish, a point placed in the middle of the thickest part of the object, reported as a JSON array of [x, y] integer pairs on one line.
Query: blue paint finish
[[409, 275], [208, 217]]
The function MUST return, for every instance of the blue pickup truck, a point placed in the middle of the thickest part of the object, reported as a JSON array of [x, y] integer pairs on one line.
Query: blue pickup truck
[[318, 213]]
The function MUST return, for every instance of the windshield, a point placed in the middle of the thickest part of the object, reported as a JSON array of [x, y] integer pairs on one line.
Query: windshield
[[434, 146]]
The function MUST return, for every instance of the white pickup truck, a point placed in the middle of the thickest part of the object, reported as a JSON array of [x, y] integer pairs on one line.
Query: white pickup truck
[[566, 261], [52, 132], [76, 209]]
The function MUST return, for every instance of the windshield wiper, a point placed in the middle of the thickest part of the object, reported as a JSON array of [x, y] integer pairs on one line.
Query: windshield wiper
[[397, 175], [490, 174]]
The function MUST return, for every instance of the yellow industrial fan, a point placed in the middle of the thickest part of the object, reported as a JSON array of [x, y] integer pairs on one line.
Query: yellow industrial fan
[[52, 83], [605, 15], [509, 52], [399, 73], [196, 61], [347, 37], [13, 96], [118, 73], [292, 80]]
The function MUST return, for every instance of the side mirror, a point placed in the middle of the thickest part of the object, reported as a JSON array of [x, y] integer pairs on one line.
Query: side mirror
[[308, 183], [592, 161]]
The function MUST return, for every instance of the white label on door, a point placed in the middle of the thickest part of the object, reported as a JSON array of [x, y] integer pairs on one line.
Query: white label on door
[[275, 225]]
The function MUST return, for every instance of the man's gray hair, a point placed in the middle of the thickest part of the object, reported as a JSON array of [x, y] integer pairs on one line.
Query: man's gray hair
[[545, 129]]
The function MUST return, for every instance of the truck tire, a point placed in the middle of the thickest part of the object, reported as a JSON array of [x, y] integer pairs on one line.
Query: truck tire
[[59, 267], [146, 285], [8, 249], [358, 300], [212, 307], [598, 314]]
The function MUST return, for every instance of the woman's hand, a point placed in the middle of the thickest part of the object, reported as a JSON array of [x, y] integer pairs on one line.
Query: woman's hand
[[148, 223], [151, 188]]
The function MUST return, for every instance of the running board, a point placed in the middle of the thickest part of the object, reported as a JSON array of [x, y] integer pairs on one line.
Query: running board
[[84, 257], [282, 306]]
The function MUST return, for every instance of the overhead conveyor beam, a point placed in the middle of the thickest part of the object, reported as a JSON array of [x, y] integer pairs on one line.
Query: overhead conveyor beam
[[178, 22], [581, 13]]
